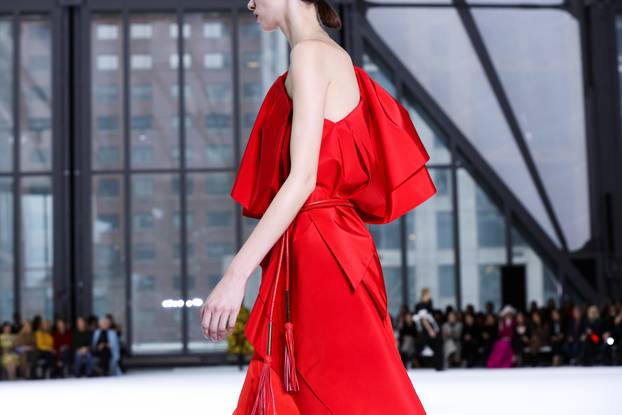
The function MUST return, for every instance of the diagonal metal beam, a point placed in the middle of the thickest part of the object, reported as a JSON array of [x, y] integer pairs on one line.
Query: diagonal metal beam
[[494, 80], [478, 165]]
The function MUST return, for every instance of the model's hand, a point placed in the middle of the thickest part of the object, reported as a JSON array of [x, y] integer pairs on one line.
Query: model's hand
[[220, 310]]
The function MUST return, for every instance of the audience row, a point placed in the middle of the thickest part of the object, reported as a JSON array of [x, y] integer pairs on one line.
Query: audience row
[[34, 349], [550, 335]]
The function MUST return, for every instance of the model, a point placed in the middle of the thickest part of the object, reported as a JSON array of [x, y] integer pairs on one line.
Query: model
[[330, 151]]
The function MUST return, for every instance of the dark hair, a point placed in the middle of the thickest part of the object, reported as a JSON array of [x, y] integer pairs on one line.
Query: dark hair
[[328, 15]]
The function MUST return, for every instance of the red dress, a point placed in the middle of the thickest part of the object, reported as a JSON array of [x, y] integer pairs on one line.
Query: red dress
[[320, 327]]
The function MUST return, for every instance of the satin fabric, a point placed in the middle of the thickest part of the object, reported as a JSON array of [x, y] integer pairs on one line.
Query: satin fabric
[[346, 357]]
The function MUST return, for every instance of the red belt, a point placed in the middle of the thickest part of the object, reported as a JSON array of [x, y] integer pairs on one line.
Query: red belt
[[264, 392]]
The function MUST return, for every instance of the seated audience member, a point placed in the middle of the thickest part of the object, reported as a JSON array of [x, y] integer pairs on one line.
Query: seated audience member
[[538, 337], [574, 329], [105, 346], [502, 353], [62, 346], [471, 340], [45, 348], [81, 345], [26, 348], [452, 333], [557, 337], [520, 340], [490, 330], [591, 338], [430, 338], [608, 327], [122, 349], [406, 338], [10, 359], [617, 336]]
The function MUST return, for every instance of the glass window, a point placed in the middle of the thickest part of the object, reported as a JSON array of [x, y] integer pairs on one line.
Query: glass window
[[434, 46], [143, 221], [444, 230], [107, 123], [175, 182], [107, 118], [446, 282], [108, 156], [482, 242], [142, 92], [108, 244], [489, 286], [35, 73], [107, 62], [213, 30], [217, 121], [107, 31], [174, 61], [144, 252], [222, 218], [143, 155], [36, 246], [108, 187], [107, 222], [7, 256], [490, 225], [106, 93], [541, 71], [142, 122], [152, 256], [174, 30], [141, 31]]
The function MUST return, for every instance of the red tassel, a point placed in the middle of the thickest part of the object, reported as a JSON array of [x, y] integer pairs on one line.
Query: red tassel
[[264, 391], [290, 377]]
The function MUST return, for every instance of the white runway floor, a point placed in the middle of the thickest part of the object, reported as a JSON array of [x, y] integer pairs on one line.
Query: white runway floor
[[214, 391]]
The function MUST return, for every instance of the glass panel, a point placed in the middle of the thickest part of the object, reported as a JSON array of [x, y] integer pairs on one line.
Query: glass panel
[[154, 109], [388, 239], [541, 281], [156, 296], [6, 96], [36, 246], [108, 219], [432, 43], [482, 243], [209, 92], [432, 138], [211, 233], [107, 92], [263, 56], [7, 302], [430, 245], [36, 94], [541, 73]]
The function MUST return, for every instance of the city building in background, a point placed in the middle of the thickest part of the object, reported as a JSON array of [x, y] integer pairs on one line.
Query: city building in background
[[122, 124]]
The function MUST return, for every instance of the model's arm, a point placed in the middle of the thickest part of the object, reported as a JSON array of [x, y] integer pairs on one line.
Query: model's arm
[[220, 310]]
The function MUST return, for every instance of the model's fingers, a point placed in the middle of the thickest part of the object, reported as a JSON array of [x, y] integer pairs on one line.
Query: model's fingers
[[232, 320], [205, 322], [213, 325], [222, 324]]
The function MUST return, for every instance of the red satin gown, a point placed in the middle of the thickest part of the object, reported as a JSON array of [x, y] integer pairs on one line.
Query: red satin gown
[[332, 350]]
